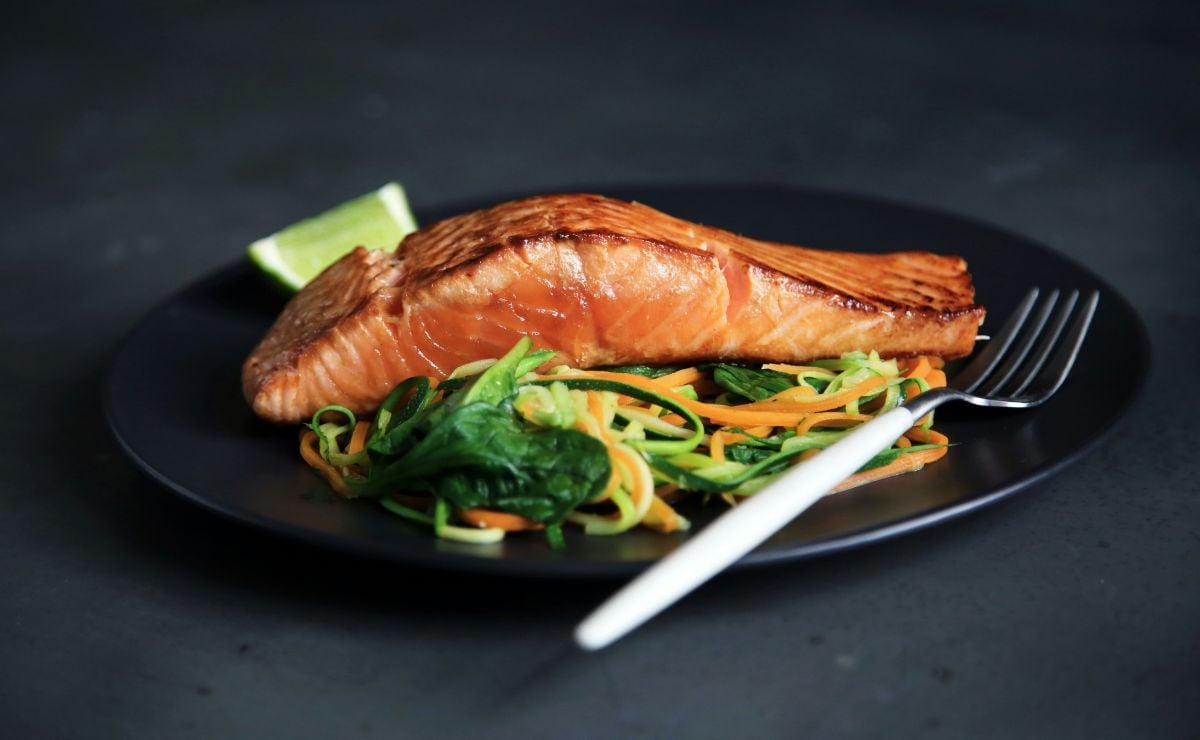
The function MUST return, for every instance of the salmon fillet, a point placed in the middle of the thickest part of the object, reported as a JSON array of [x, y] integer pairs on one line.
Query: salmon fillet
[[603, 282]]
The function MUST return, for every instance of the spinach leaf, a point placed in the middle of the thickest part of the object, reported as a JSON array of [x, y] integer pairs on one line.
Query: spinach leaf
[[748, 454], [482, 454], [472, 449], [747, 382]]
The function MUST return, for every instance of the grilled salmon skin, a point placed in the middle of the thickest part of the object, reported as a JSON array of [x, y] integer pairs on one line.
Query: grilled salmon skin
[[603, 282]]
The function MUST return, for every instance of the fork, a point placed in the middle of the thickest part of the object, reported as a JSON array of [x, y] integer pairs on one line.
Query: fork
[[1022, 366]]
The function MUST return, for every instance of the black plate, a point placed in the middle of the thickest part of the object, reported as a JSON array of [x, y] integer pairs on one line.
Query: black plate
[[173, 400]]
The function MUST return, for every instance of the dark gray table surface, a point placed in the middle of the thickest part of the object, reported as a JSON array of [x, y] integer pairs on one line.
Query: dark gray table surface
[[145, 147]]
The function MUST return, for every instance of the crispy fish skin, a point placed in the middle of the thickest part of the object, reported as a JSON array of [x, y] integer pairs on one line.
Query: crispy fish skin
[[603, 282]]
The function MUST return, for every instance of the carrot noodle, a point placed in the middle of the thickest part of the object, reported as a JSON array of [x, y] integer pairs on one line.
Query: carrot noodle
[[662, 518], [797, 369], [759, 431], [827, 399], [829, 419], [358, 440], [919, 369], [809, 453], [686, 376], [484, 518], [908, 463], [717, 448], [928, 436], [670, 493], [639, 480], [799, 396]]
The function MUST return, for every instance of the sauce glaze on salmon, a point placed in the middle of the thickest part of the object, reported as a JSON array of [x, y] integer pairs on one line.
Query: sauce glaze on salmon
[[603, 282]]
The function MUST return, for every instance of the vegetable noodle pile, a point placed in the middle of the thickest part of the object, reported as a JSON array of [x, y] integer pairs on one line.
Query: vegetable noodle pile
[[497, 448]]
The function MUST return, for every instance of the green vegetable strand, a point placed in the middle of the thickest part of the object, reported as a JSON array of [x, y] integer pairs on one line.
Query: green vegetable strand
[[494, 437], [660, 446]]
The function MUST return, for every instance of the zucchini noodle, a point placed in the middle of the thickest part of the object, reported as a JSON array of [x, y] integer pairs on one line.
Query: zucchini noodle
[[715, 431]]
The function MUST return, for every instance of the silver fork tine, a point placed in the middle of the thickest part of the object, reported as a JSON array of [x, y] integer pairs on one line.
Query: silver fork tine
[[1049, 380], [1047, 345], [1013, 359], [981, 366]]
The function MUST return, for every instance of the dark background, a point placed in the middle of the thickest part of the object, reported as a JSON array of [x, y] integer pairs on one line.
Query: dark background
[[146, 146]]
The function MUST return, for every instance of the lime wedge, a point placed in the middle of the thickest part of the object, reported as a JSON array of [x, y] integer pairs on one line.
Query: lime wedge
[[297, 254]]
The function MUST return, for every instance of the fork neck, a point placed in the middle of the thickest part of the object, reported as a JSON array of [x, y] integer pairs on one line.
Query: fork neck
[[931, 399]]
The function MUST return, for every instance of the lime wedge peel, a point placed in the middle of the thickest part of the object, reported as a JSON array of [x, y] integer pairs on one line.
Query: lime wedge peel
[[295, 255]]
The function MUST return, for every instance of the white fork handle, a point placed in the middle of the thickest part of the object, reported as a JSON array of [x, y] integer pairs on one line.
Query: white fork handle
[[738, 531]]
